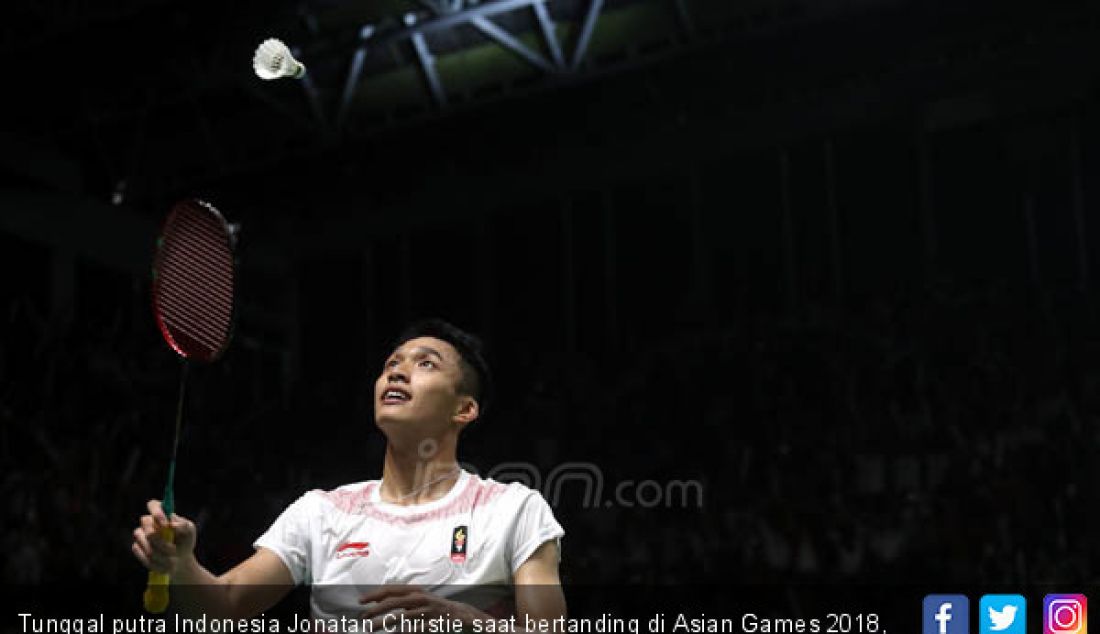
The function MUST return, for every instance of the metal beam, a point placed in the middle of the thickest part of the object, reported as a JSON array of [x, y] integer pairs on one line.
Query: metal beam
[[354, 72], [510, 42], [451, 20], [548, 33], [476, 15], [589, 25], [427, 64]]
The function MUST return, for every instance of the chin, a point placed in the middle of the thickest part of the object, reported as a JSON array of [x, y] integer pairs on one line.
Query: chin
[[386, 418], [390, 419]]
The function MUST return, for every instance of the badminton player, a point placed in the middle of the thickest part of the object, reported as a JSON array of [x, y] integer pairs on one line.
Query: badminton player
[[429, 539]]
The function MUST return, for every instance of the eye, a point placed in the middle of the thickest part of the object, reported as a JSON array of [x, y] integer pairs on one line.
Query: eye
[[391, 363], [426, 363]]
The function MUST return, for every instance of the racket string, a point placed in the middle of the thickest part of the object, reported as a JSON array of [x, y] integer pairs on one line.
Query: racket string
[[188, 293], [220, 259], [194, 286], [184, 311], [206, 340]]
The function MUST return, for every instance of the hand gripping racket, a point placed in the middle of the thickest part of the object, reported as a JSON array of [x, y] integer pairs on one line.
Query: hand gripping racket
[[193, 280]]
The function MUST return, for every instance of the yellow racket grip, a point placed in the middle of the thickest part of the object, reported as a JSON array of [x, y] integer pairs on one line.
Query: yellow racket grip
[[156, 589]]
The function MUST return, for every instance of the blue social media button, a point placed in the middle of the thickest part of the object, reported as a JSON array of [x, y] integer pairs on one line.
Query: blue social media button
[[1002, 614], [946, 614]]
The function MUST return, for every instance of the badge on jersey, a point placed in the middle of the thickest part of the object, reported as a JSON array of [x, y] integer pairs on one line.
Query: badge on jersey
[[458, 544]]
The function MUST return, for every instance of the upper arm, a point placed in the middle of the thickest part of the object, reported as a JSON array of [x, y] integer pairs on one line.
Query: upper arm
[[538, 585], [257, 583]]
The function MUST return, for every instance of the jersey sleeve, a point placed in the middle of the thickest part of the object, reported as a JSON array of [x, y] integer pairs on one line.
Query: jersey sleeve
[[535, 525], [289, 537]]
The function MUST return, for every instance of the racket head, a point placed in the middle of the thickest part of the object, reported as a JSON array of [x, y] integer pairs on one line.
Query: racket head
[[194, 277]]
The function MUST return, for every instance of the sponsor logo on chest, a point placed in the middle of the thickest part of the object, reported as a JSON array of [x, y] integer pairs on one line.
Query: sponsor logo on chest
[[352, 549]]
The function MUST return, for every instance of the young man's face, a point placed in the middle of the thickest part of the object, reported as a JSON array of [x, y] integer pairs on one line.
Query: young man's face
[[418, 386]]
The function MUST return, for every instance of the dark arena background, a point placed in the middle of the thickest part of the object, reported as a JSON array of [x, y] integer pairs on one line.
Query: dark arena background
[[794, 292]]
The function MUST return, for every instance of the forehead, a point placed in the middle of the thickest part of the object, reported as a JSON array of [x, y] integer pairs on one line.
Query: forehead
[[422, 344]]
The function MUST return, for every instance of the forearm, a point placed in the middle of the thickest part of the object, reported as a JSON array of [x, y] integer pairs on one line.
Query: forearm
[[196, 590], [191, 573]]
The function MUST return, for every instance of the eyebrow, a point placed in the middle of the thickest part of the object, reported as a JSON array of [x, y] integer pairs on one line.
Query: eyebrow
[[421, 350]]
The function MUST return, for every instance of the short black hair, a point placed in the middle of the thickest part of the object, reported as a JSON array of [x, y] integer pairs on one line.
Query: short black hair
[[476, 378]]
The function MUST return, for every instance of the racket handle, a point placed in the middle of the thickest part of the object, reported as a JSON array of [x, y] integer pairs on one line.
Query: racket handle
[[156, 589]]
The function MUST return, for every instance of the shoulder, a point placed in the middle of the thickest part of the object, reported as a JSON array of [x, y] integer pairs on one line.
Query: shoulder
[[508, 497]]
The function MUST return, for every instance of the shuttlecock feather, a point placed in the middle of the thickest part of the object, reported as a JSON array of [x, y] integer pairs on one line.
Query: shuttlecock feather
[[274, 60]]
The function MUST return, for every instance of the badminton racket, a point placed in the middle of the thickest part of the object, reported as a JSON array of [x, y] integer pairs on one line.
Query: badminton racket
[[193, 280]]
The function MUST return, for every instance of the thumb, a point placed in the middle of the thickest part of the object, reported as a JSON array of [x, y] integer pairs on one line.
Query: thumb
[[183, 528], [181, 524]]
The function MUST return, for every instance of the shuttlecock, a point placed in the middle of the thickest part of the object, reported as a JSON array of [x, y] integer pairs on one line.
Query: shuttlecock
[[273, 60]]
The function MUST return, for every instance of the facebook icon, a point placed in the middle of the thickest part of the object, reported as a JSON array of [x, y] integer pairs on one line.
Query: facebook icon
[[946, 614]]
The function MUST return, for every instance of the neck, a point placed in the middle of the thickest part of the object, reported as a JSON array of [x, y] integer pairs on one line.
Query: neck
[[408, 477]]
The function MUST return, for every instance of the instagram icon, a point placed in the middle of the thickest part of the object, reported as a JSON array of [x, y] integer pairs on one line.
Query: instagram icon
[[1065, 614]]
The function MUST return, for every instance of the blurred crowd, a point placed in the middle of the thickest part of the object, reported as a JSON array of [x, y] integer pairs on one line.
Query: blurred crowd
[[925, 436], [945, 433]]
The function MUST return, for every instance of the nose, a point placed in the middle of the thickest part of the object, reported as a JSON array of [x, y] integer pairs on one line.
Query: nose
[[397, 375]]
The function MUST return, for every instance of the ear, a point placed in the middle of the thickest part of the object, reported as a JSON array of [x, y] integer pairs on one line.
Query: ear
[[467, 411]]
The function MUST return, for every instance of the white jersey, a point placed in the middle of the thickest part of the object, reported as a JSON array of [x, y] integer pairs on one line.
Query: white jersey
[[479, 533]]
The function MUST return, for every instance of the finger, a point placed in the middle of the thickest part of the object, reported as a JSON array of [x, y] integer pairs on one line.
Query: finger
[[147, 524], [422, 613], [157, 511], [136, 549], [141, 542], [381, 607], [162, 547], [159, 562], [378, 593], [150, 564], [182, 525], [377, 608], [405, 602], [372, 610], [379, 624]]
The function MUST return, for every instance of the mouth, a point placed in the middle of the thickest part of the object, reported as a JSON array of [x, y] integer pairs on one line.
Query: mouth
[[395, 396]]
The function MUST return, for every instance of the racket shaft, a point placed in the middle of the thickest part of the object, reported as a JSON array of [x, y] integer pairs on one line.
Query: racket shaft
[[156, 589]]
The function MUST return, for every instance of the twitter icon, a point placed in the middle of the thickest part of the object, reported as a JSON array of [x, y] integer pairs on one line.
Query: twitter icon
[[1002, 613]]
